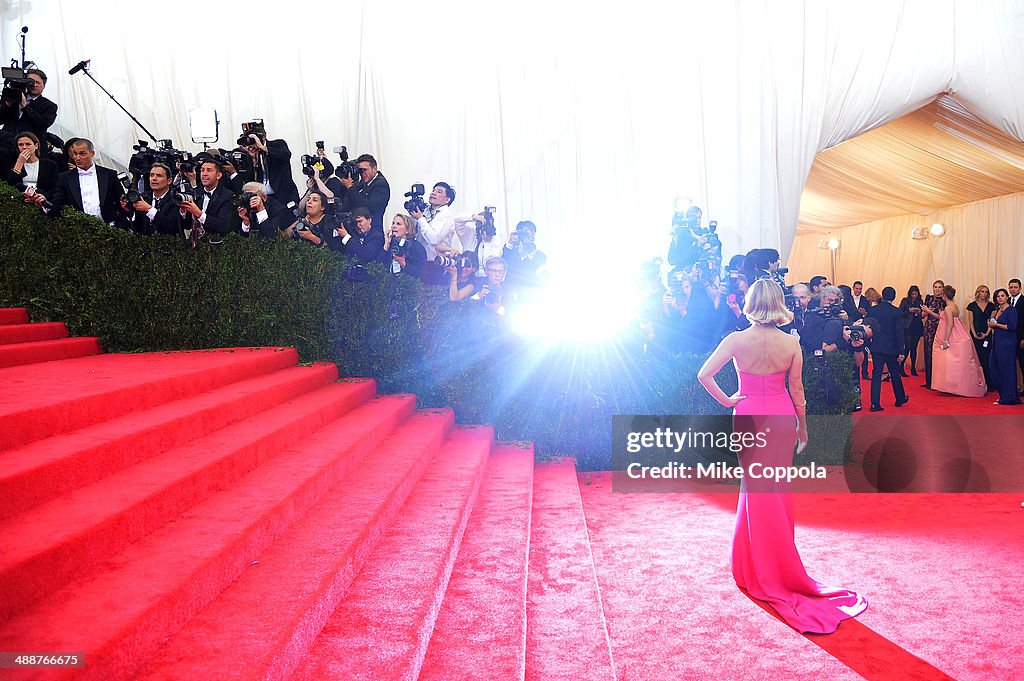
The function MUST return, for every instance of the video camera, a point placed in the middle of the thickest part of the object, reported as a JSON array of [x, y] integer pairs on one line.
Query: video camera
[[487, 226], [144, 158], [16, 84], [415, 202], [253, 127]]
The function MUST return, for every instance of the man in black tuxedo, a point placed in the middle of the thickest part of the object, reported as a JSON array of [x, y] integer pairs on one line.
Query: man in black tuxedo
[[1017, 301], [34, 113], [374, 190], [265, 215], [157, 211], [887, 347], [212, 205], [856, 308], [272, 162], [89, 188]]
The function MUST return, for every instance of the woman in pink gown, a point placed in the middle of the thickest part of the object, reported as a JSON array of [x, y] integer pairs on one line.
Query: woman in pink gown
[[765, 561], [955, 365]]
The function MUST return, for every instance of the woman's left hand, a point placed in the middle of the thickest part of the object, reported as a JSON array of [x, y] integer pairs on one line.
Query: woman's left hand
[[732, 400]]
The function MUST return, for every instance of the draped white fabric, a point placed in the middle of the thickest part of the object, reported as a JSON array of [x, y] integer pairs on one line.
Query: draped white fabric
[[589, 119]]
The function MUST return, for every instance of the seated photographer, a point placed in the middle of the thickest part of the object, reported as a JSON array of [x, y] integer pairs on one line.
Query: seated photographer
[[320, 225], [401, 252], [29, 170], [365, 242], [89, 188], [156, 210], [261, 213], [271, 160], [31, 112], [462, 283], [526, 264], [493, 294], [211, 204]]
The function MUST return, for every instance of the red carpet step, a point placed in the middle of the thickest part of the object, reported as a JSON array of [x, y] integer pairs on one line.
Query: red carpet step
[[28, 333], [16, 354], [13, 315]]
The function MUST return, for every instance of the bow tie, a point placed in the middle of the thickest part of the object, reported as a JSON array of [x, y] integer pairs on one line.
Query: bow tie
[[90, 171], [209, 195]]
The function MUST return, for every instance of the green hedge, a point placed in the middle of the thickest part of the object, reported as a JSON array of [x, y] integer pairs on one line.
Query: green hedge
[[155, 293]]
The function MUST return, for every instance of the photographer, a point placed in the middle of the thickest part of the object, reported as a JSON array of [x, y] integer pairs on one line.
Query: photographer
[[320, 225], [258, 211], [487, 245], [437, 226], [271, 160], [29, 169], [210, 205], [365, 242], [684, 247], [155, 211], [33, 113], [401, 252], [374, 190], [492, 294], [525, 263], [462, 283], [829, 309]]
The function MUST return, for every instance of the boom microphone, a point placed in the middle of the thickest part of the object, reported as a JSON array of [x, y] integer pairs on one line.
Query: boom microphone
[[78, 67]]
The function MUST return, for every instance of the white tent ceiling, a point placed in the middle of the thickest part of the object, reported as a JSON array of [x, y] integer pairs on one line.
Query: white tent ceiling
[[588, 120]]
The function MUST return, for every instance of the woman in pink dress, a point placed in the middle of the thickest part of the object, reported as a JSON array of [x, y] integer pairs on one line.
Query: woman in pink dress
[[955, 365], [765, 562]]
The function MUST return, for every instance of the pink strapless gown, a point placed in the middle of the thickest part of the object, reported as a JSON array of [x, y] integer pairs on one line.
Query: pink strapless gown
[[956, 369], [765, 561]]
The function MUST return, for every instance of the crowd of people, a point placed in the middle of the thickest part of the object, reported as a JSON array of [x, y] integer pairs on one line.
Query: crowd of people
[[250, 190]]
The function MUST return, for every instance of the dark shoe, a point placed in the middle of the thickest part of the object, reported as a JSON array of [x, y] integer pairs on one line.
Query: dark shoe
[[875, 407], [913, 372], [925, 385], [903, 401], [856, 409], [904, 374]]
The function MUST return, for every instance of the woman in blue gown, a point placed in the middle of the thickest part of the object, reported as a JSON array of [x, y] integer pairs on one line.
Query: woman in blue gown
[[1003, 361]]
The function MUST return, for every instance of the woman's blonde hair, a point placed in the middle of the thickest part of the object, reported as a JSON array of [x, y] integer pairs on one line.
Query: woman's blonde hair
[[766, 303], [873, 295], [410, 225]]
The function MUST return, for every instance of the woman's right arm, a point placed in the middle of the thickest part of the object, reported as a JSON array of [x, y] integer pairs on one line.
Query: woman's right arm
[[796, 391]]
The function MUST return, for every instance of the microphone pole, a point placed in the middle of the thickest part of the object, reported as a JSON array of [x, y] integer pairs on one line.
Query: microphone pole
[[23, 36], [83, 66]]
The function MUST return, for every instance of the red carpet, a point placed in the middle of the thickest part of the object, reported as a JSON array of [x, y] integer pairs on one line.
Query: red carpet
[[230, 515]]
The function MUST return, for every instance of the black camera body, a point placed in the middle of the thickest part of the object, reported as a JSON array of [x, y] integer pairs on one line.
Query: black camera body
[[398, 246], [16, 84], [493, 295], [253, 127], [415, 202], [145, 156], [345, 169], [856, 333], [830, 311], [183, 191], [243, 200]]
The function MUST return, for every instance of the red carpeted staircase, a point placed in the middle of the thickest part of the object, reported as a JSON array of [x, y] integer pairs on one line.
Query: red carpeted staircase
[[229, 514]]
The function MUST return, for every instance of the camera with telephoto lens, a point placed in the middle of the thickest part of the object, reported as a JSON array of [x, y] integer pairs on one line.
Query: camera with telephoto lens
[[345, 169], [183, 191], [445, 261], [131, 193], [253, 127], [415, 202], [243, 200]]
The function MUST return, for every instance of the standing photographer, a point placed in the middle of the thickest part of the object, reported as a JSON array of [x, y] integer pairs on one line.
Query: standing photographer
[[271, 161], [525, 263], [487, 244], [33, 113], [374, 189], [437, 226]]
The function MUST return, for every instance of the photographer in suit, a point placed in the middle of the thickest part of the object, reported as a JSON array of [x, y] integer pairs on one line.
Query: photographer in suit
[[156, 212], [374, 189], [212, 203], [88, 188], [271, 161], [366, 242], [264, 215], [887, 348], [34, 113]]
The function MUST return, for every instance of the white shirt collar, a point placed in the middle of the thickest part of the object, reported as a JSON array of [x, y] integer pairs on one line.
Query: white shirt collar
[[90, 171]]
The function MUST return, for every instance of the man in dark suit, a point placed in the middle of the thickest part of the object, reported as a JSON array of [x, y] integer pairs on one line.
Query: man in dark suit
[[1017, 301], [157, 211], [366, 242], [374, 190], [89, 188], [856, 308], [265, 215], [272, 162], [887, 347], [34, 113], [213, 203]]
